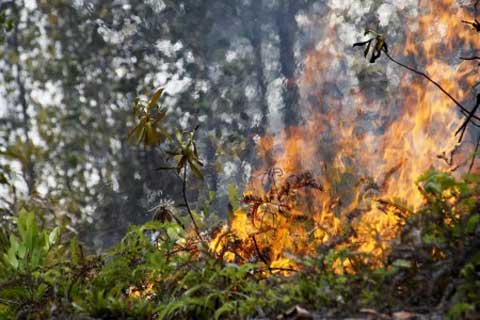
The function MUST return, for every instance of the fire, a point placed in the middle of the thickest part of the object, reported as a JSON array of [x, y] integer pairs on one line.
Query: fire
[[365, 154]]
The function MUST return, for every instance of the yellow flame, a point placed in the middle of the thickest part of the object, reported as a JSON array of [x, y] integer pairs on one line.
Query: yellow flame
[[357, 167]]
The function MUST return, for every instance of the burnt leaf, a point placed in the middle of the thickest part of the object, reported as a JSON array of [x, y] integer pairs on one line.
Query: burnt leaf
[[379, 45]]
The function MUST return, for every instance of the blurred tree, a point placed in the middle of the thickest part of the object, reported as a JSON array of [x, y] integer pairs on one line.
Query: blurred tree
[[74, 69]]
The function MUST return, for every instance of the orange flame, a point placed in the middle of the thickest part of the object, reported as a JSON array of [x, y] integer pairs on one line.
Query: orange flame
[[363, 150]]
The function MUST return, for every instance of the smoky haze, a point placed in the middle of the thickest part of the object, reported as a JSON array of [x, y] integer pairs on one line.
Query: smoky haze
[[241, 70]]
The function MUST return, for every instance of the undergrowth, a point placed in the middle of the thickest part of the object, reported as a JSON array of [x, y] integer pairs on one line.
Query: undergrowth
[[160, 271]]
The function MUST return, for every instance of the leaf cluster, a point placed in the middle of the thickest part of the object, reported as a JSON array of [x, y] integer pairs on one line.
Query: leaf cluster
[[149, 115]]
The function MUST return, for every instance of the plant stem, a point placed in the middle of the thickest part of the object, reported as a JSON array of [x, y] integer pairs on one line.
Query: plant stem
[[184, 191], [474, 155], [260, 255]]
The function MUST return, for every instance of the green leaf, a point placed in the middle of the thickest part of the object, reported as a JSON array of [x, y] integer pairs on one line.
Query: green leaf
[[458, 310], [14, 245], [11, 258], [472, 223], [28, 229], [233, 196], [433, 188], [178, 135], [136, 135], [181, 164], [227, 308], [76, 252], [40, 291], [153, 225], [53, 236], [195, 169], [155, 97], [174, 232], [402, 263]]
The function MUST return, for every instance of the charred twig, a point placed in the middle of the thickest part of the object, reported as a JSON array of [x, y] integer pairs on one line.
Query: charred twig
[[400, 210], [475, 24], [260, 255], [280, 196], [337, 240], [389, 174], [228, 247], [464, 125], [449, 160], [470, 58], [464, 110], [271, 175], [381, 46], [78, 276]]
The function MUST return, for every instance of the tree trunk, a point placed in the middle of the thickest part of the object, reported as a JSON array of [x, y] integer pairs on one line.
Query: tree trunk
[[287, 30], [28, 167]]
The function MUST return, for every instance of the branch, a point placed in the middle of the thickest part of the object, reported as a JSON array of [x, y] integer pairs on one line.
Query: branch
[[464, 125], [475, 24], [422, 74], [474, 155], [184, 191], [470, 58], [260, 255]]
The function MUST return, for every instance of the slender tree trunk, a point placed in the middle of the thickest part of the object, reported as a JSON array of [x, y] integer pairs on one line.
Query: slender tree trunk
[[28, 166], [254, 29], [287, 30]]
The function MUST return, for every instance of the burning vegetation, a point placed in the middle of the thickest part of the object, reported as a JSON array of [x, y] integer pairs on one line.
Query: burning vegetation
[[371, 208], [360, 183]]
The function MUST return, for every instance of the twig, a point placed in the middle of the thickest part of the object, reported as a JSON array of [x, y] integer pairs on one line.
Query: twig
[[464, 110], [464, 125], [260, 255], [165, 168], [279, 269], [474, 155], [470, 58], [475, 24]]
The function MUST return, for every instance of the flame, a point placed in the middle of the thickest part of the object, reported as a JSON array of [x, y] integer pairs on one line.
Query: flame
[[365, 153]]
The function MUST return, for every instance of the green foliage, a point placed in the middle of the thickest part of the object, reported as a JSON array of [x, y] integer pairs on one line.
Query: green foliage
[[6, 24], [159, 272], [149, 115], [233, 196], [185, 153]]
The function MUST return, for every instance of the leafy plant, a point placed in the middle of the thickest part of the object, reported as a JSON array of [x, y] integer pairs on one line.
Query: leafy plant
[[185, 153], [149, 115]]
